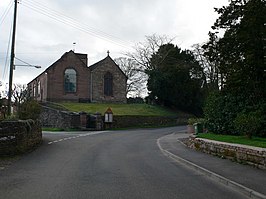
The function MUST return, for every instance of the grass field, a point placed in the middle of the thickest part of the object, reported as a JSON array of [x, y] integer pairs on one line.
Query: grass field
[[255, 141], [121, 109]]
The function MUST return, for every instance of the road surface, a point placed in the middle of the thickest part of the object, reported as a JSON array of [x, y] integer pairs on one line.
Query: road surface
[[111, 164]]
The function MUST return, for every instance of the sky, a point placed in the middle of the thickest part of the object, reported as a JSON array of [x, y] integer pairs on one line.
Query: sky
[[46, 29]]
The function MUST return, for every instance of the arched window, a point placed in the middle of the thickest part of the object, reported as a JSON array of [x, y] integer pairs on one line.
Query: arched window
[[39, 89], [108, 84], [70, 78], [34, 90]]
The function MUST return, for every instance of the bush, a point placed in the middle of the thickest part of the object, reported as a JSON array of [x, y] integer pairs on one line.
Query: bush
[[248, 123], [229, 114], [29, 110], [219, 113], [192, 121], [135, 100]]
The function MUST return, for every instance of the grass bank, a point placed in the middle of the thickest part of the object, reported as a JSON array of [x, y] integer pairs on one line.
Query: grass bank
[[121, 109], [255, 141]]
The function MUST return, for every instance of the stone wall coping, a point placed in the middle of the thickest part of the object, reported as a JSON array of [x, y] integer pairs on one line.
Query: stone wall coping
[[234, 145]]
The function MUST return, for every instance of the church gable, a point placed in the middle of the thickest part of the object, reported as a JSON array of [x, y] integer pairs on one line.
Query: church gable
[[108, 81], [69, 79], [109, 62]]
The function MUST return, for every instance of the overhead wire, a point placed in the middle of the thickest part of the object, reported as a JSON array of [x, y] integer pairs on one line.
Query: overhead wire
[[7, 52], [2, 18], [44, 10], [79, 23]]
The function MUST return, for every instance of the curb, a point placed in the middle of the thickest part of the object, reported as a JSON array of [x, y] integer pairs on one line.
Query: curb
[[218, 178]]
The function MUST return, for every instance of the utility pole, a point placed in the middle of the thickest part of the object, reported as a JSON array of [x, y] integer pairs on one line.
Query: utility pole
[[12, 59]]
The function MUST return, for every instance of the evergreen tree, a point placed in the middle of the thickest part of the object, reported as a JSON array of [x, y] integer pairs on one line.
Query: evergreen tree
[[240, 54], [242, 49], [175, 79]]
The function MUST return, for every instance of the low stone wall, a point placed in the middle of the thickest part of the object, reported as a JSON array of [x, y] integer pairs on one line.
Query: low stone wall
[[254, 156], [50, 117], [19, 136], [126, 121]]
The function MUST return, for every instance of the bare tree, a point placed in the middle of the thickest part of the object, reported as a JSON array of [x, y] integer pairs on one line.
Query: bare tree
[[139, 62], [212, 77], [136, 82], [19, 94], [144, 50]]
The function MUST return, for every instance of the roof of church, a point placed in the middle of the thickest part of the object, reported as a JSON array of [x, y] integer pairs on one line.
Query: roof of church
[[78, 55], [81, 56], [106, 59]]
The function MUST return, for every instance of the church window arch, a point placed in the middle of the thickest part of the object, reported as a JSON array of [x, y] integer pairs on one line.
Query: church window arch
[[108, 84], [70, 80]]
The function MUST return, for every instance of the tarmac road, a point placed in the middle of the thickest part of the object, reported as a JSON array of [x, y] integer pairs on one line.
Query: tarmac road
[[111, 164]]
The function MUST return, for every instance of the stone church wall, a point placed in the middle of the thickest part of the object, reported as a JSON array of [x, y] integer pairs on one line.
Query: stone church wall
[[119, 83], [89, 81]]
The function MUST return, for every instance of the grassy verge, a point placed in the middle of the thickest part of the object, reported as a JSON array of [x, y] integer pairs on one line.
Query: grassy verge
[[120, 109], [255, 141], [57, 129]]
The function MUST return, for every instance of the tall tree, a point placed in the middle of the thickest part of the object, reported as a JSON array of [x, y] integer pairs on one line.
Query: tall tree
[[240, 53], [141, 57], [208, 58], [242, 48], [175, 79], [144, 50]]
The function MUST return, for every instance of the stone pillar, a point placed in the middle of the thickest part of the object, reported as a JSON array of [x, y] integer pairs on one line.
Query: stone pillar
[[98, 121]]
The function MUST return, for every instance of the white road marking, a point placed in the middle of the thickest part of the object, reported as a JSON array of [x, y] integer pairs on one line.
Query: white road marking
[[78, 136]]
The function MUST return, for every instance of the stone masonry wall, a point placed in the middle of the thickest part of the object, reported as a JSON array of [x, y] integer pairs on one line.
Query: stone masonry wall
[[119, 83], [50, 117], [254, 156], [126, 121], [19, 136]]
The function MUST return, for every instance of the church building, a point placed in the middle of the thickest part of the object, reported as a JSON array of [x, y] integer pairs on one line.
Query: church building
[[70, 79]]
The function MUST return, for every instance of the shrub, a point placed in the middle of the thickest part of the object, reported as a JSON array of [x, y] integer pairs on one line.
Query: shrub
[[29, 110], [217, 114], [221, 110], [135, 100], [229, 114], [248, 123], [192, 121]]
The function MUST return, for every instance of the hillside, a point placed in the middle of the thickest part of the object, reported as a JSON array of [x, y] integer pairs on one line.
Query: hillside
[[122, 109]]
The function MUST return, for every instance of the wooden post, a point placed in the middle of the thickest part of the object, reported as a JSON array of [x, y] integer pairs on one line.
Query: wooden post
[[12, 59]]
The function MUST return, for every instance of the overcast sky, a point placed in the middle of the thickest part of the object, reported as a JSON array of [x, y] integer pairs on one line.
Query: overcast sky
[[48, 28]]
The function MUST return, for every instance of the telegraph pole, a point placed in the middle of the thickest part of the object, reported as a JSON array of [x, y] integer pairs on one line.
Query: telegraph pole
[[12, 59]]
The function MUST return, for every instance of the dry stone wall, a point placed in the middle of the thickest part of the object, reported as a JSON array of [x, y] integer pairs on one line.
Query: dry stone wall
[[254, 156], [19, 136], [50, 117], [127, 121]]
